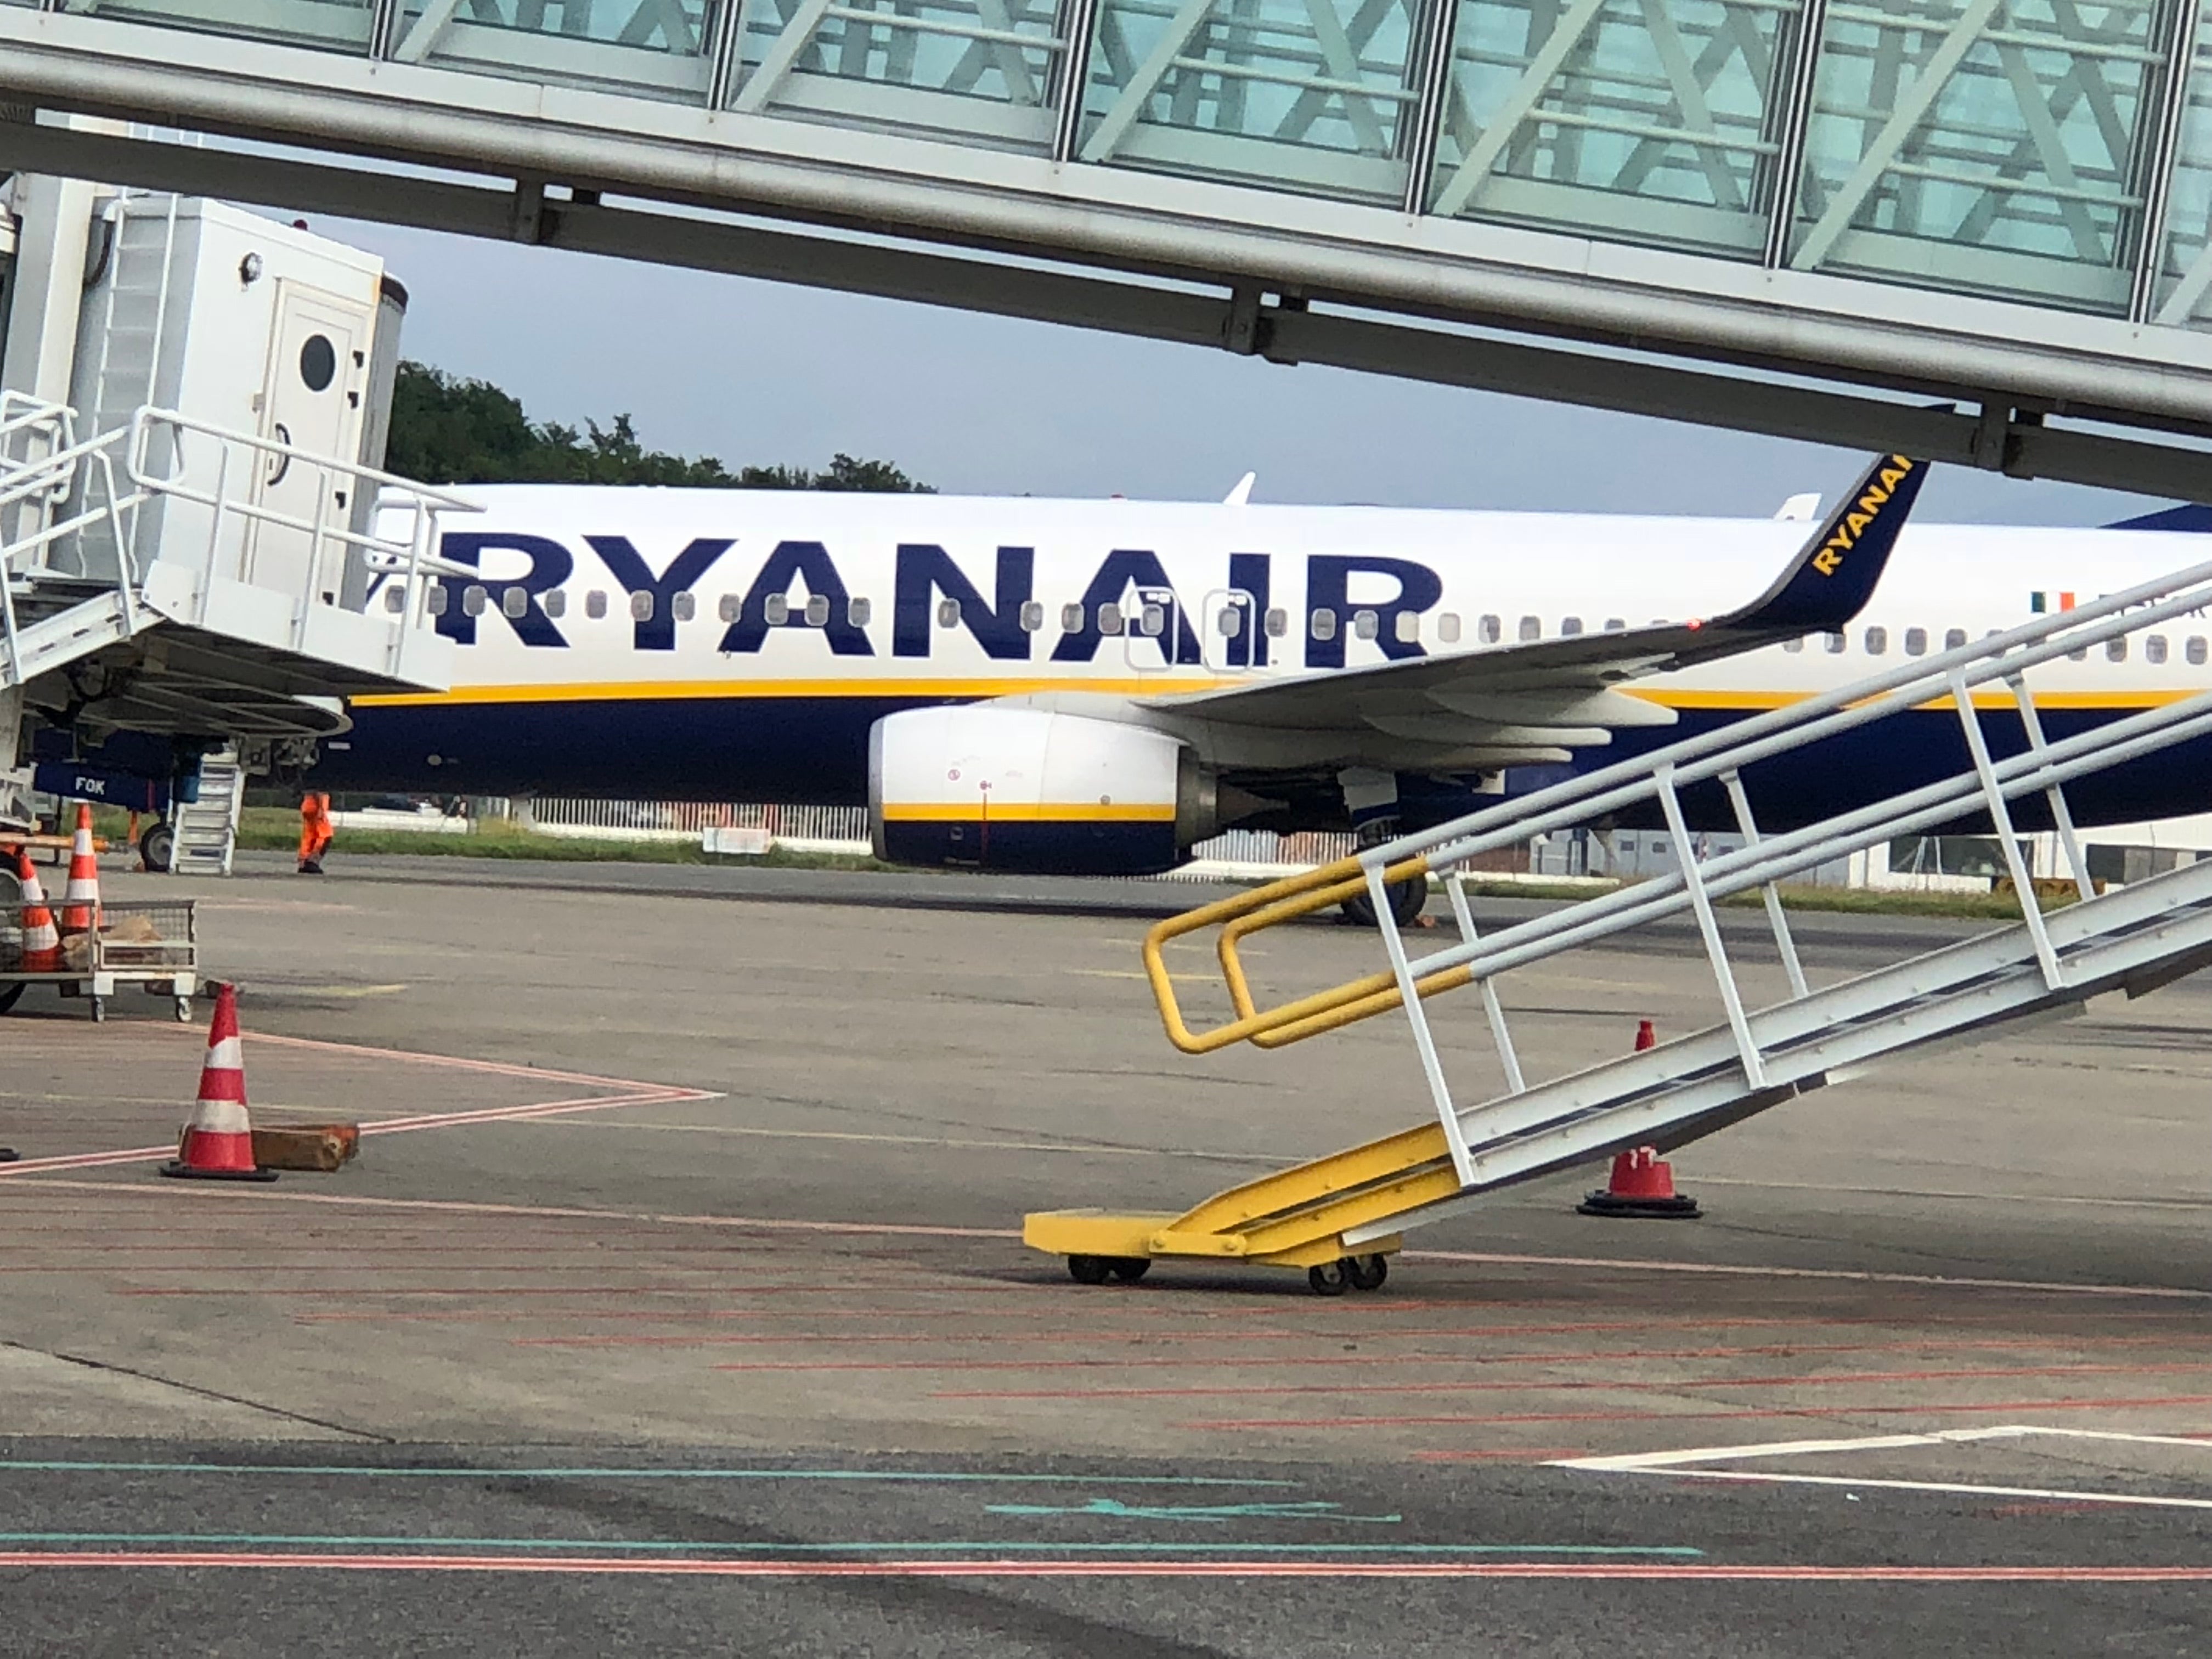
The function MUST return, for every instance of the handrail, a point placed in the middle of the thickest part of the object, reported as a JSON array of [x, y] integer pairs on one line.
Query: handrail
[[1949, 677]]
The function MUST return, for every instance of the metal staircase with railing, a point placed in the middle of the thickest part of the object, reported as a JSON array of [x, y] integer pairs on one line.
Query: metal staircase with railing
[[206, 827], [128, 580], [1340, 1216]]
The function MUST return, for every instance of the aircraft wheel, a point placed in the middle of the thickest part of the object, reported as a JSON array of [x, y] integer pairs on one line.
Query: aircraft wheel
[[1129, 1268], [1407, 899], [1331, 1277], [157, 846], [1367, 1273], [1089, 1269]]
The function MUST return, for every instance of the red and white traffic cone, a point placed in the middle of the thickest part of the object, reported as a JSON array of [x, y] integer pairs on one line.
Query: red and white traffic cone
[[42, 944], [218, 1142], [1642, 1182], [80, 898]]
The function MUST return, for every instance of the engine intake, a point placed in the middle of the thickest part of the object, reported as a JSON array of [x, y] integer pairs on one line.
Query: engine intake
[[1032, 790]]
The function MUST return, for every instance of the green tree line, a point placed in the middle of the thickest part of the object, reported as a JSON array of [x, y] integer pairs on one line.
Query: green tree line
[[447, 429]]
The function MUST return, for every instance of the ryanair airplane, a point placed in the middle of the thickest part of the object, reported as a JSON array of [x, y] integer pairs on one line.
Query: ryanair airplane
[[1092, 687]]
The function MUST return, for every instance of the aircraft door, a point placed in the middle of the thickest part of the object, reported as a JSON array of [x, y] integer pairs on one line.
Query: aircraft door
[[312, 399], [1154, 624], [1229, 617]]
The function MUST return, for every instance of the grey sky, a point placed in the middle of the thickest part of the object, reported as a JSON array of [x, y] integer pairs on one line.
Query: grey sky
[[757, 371]]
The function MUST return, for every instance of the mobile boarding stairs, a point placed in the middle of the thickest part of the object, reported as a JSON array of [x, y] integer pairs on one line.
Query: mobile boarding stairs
[[1340, 1217], [147, 583]]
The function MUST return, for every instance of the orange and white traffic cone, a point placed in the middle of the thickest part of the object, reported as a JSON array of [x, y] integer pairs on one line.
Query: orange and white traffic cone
[[1642, 1182], [218, 1142], [42, 944], [80, 898]]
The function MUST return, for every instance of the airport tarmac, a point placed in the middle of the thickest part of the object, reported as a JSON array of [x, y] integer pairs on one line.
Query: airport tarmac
[[676, 1301]]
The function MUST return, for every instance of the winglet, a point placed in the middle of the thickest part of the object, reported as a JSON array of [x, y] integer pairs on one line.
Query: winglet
[[1830, 580]]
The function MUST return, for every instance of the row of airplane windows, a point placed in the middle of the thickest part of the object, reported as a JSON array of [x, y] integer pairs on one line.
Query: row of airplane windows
[[1150, 620]]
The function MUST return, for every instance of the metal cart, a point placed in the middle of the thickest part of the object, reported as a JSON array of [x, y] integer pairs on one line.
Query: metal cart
[[153, 946]]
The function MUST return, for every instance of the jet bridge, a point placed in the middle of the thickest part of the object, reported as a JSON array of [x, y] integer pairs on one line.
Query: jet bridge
[[1340, 1217]]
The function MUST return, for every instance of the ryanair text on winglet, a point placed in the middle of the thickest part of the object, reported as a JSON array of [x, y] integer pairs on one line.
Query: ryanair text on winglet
[[1830, 559]]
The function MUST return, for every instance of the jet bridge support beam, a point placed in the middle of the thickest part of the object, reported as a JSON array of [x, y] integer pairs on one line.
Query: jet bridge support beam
[[1182, 307]]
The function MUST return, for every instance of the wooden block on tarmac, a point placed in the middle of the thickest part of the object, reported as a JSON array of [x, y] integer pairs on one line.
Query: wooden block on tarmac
[[317, 1146]]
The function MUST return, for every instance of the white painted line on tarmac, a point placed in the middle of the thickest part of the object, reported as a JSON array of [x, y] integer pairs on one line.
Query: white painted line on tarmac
[[1684, 1464], [1981, 1197]]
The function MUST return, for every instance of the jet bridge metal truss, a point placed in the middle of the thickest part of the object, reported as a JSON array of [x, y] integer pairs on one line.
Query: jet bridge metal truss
[[1335, 1216]]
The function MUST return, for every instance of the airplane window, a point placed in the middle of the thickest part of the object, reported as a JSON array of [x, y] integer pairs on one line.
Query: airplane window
[[1230, 622], [684, 606], [2082, 655], [473, 599], [1366, 624], [1448, 628], [595, 604], [1954, 638], [640, 607], [817, 609], [1835, 643], [775, 610], [948, 613], [1109, 618], [1615, 624], [1409, 627], [1793, 645], [436, 599], [857, 612], [1071, 619], [1279, 622], [555, 603], [1916, 641], [1032, 617], [1532, 628], [1877, 640], [2116, 650], [1570, 626], [2193, 651], [1490, 629], [395, 599], [2154, 648], [1153, 621], [727, 609], [1324, 624], [513, 602]]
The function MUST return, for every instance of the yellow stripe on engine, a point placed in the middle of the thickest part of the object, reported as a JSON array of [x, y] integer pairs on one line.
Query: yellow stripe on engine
[[971, 812]]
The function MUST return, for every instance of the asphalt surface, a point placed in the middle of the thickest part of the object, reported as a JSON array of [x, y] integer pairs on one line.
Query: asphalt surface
[[677, 1305]]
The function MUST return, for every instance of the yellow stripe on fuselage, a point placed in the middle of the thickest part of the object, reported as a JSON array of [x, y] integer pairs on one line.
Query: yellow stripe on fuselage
[[675, 690], [1158, 685], [971, 812]]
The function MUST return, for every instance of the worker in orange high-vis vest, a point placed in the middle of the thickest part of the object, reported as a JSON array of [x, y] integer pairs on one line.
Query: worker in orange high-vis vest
[[316, 829]]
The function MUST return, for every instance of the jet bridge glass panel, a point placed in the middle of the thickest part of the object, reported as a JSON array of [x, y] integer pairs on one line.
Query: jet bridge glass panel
[[1997, 146], [650, 47], [2183, 271], [1653, 120], [987, 71], [338, 24], [1311, 96]]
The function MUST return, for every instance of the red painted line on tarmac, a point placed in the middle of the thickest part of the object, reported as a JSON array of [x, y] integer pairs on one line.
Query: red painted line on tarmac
[[1811, 1379], [1615, 1264], [1531, 1455], [693, 1567], [1471, 1419]]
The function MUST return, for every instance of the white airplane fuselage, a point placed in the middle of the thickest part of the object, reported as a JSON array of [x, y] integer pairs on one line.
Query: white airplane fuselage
[[740, 645]]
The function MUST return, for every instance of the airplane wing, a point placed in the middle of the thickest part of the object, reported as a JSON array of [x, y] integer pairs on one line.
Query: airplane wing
[[1566, 681]]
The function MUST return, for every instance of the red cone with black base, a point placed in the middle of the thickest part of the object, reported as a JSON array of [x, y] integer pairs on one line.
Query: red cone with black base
[[218, 1142], [1642, 1182]]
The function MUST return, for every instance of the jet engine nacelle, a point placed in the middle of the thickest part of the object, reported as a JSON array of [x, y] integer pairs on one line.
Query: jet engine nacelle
[[1030, 789]]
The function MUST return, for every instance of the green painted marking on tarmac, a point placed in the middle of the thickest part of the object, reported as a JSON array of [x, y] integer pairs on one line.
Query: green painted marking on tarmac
[[694, 1547], [914, 1477], [1311, 1509]]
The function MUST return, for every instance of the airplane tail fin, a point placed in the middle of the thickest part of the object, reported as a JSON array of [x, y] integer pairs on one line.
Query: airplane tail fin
[[2189, 516], [1834, 575]]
